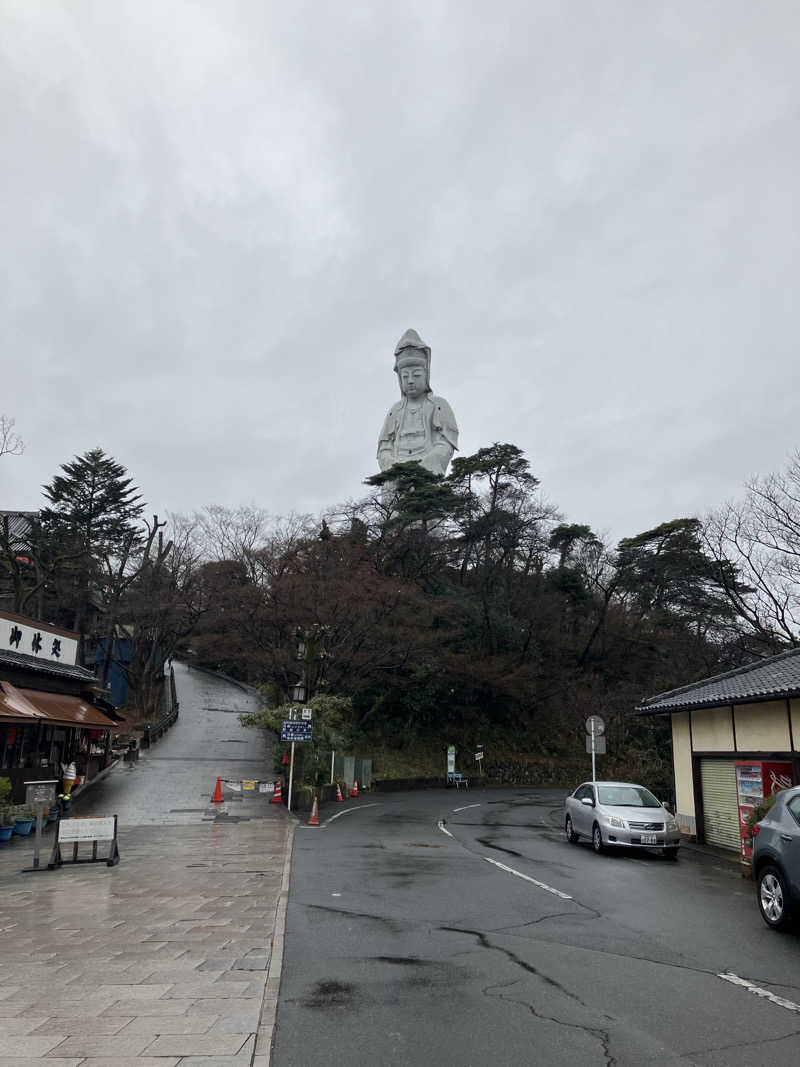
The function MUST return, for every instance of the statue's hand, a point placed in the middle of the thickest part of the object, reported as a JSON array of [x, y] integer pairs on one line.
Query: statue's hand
[[437, 459]]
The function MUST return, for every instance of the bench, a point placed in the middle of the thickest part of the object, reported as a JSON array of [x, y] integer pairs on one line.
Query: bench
[[458, 780]]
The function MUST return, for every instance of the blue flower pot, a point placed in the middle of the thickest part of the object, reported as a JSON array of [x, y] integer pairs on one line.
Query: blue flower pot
[[23, 826], [6, 832]]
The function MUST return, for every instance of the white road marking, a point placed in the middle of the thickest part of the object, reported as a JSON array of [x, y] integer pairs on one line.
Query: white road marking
[[336, 894], [519, 874], [346, 811], [440, 824], [465, 807], [782, 1002]]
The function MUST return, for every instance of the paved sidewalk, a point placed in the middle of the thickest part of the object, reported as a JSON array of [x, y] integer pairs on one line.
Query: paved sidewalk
[[171, 957]]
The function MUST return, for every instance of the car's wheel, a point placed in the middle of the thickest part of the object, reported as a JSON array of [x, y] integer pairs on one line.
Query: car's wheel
[[670, 853], [773, 900], [572, 837], [597, 839]]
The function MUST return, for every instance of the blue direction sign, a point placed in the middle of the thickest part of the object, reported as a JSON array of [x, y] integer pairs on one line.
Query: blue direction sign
[[294, 730]]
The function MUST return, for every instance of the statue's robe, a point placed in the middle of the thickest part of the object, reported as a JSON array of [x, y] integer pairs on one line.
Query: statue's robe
[[439, 424]]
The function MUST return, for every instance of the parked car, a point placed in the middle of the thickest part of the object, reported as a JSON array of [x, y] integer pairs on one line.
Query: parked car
[[776, 859], [620, 814]]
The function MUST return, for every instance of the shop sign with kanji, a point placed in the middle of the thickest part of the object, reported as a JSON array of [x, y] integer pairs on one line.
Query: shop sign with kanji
[[32, 638]]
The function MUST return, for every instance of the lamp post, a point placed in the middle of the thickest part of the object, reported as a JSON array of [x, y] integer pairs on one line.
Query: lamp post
[[299, 695]]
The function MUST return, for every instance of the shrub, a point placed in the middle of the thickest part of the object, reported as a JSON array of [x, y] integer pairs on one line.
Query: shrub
[[759, 811]]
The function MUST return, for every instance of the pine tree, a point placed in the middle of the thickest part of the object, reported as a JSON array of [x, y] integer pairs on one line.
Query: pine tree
[[93, 511]]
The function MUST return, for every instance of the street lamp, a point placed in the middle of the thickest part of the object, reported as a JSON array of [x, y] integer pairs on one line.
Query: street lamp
[[299, 691]]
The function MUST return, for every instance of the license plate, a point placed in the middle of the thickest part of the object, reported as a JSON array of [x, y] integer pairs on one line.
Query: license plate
[[648, 839]]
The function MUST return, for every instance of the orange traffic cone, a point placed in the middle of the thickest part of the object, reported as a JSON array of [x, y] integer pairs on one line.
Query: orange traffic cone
[[217, 798], [339, 792], [354, 793], [278, 797], [314, 817]]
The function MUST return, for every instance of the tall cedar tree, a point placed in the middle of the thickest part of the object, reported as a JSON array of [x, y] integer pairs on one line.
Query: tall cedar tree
[[93, 510]]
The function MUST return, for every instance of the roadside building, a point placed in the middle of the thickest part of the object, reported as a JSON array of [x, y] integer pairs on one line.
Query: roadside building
[[735, 740], [51, 711]]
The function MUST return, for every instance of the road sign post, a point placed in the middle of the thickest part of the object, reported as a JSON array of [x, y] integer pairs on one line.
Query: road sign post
[[479, 758], [291, 779], [595, 742], [594, 747], [294, 730]]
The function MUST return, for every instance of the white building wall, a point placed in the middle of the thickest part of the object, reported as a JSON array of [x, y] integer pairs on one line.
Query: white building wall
[[682, 761]]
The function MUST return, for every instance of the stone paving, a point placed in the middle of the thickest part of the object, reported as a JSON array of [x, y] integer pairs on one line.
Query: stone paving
[[171, 957]]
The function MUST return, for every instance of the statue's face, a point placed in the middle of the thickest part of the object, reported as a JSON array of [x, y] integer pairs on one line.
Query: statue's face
[[413, 379]]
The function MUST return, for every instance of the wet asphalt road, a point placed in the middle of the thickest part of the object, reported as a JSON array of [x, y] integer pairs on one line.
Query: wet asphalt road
[[405, 946], [172, 782]]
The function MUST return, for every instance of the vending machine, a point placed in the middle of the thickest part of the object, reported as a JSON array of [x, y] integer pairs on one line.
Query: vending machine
[[755, 780]]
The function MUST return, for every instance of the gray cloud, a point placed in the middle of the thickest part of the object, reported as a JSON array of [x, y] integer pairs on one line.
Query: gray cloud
[[219, 217]]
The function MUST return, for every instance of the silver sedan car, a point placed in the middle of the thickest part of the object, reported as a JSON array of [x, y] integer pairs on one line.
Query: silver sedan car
[[620, 814]]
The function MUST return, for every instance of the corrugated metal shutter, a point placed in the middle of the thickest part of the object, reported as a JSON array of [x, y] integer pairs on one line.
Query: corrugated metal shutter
[[720, 806]]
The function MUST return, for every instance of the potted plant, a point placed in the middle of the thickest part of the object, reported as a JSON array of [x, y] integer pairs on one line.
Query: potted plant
[[6, 825], [6, 820], [23, 822]]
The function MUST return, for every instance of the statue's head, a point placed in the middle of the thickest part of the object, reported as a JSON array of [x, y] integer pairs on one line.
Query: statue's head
[[412, 364]]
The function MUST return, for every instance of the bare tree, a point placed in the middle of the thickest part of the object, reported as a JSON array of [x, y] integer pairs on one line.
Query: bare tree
[[30, 560], [761, 535], [11, 444], [249, 536]]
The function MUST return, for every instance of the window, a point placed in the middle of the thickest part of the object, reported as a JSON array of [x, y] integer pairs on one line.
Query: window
[[627, 796]]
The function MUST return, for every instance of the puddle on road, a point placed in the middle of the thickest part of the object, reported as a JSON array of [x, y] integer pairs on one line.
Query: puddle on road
[[498, 848], [330, 994], [403, 961]]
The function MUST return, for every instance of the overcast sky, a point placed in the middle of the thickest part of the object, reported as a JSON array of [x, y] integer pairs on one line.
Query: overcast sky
[[218, 218]]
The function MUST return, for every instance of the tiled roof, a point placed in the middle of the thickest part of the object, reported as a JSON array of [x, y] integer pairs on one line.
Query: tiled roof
[[42, 666], [767, 679]]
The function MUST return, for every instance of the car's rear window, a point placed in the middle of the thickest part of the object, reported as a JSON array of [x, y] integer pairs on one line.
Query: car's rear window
[[627, 796]]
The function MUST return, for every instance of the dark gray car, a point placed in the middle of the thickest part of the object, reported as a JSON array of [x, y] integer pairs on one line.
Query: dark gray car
[[776, 859]]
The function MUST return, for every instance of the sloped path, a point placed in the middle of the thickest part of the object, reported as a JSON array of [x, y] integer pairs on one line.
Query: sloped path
[[173, 956]]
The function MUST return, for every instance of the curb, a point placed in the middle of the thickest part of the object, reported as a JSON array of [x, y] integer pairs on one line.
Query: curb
[[269, 1005], [97, 778], [710, 852]]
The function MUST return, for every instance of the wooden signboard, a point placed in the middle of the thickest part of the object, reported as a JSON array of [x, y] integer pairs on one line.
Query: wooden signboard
[[89, 829], [39, 795]]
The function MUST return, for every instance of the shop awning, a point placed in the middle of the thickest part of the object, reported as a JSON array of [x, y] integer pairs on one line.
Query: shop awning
[[32, 705], [14, 707]]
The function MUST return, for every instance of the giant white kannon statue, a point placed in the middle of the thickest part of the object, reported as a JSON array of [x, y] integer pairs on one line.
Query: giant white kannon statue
[[420, 427]]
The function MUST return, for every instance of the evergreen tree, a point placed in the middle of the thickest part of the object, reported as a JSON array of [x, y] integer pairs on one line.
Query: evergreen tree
[[92, 513]]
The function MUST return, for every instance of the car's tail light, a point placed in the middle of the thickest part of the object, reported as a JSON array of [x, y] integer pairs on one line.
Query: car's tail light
[[756, 830]]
